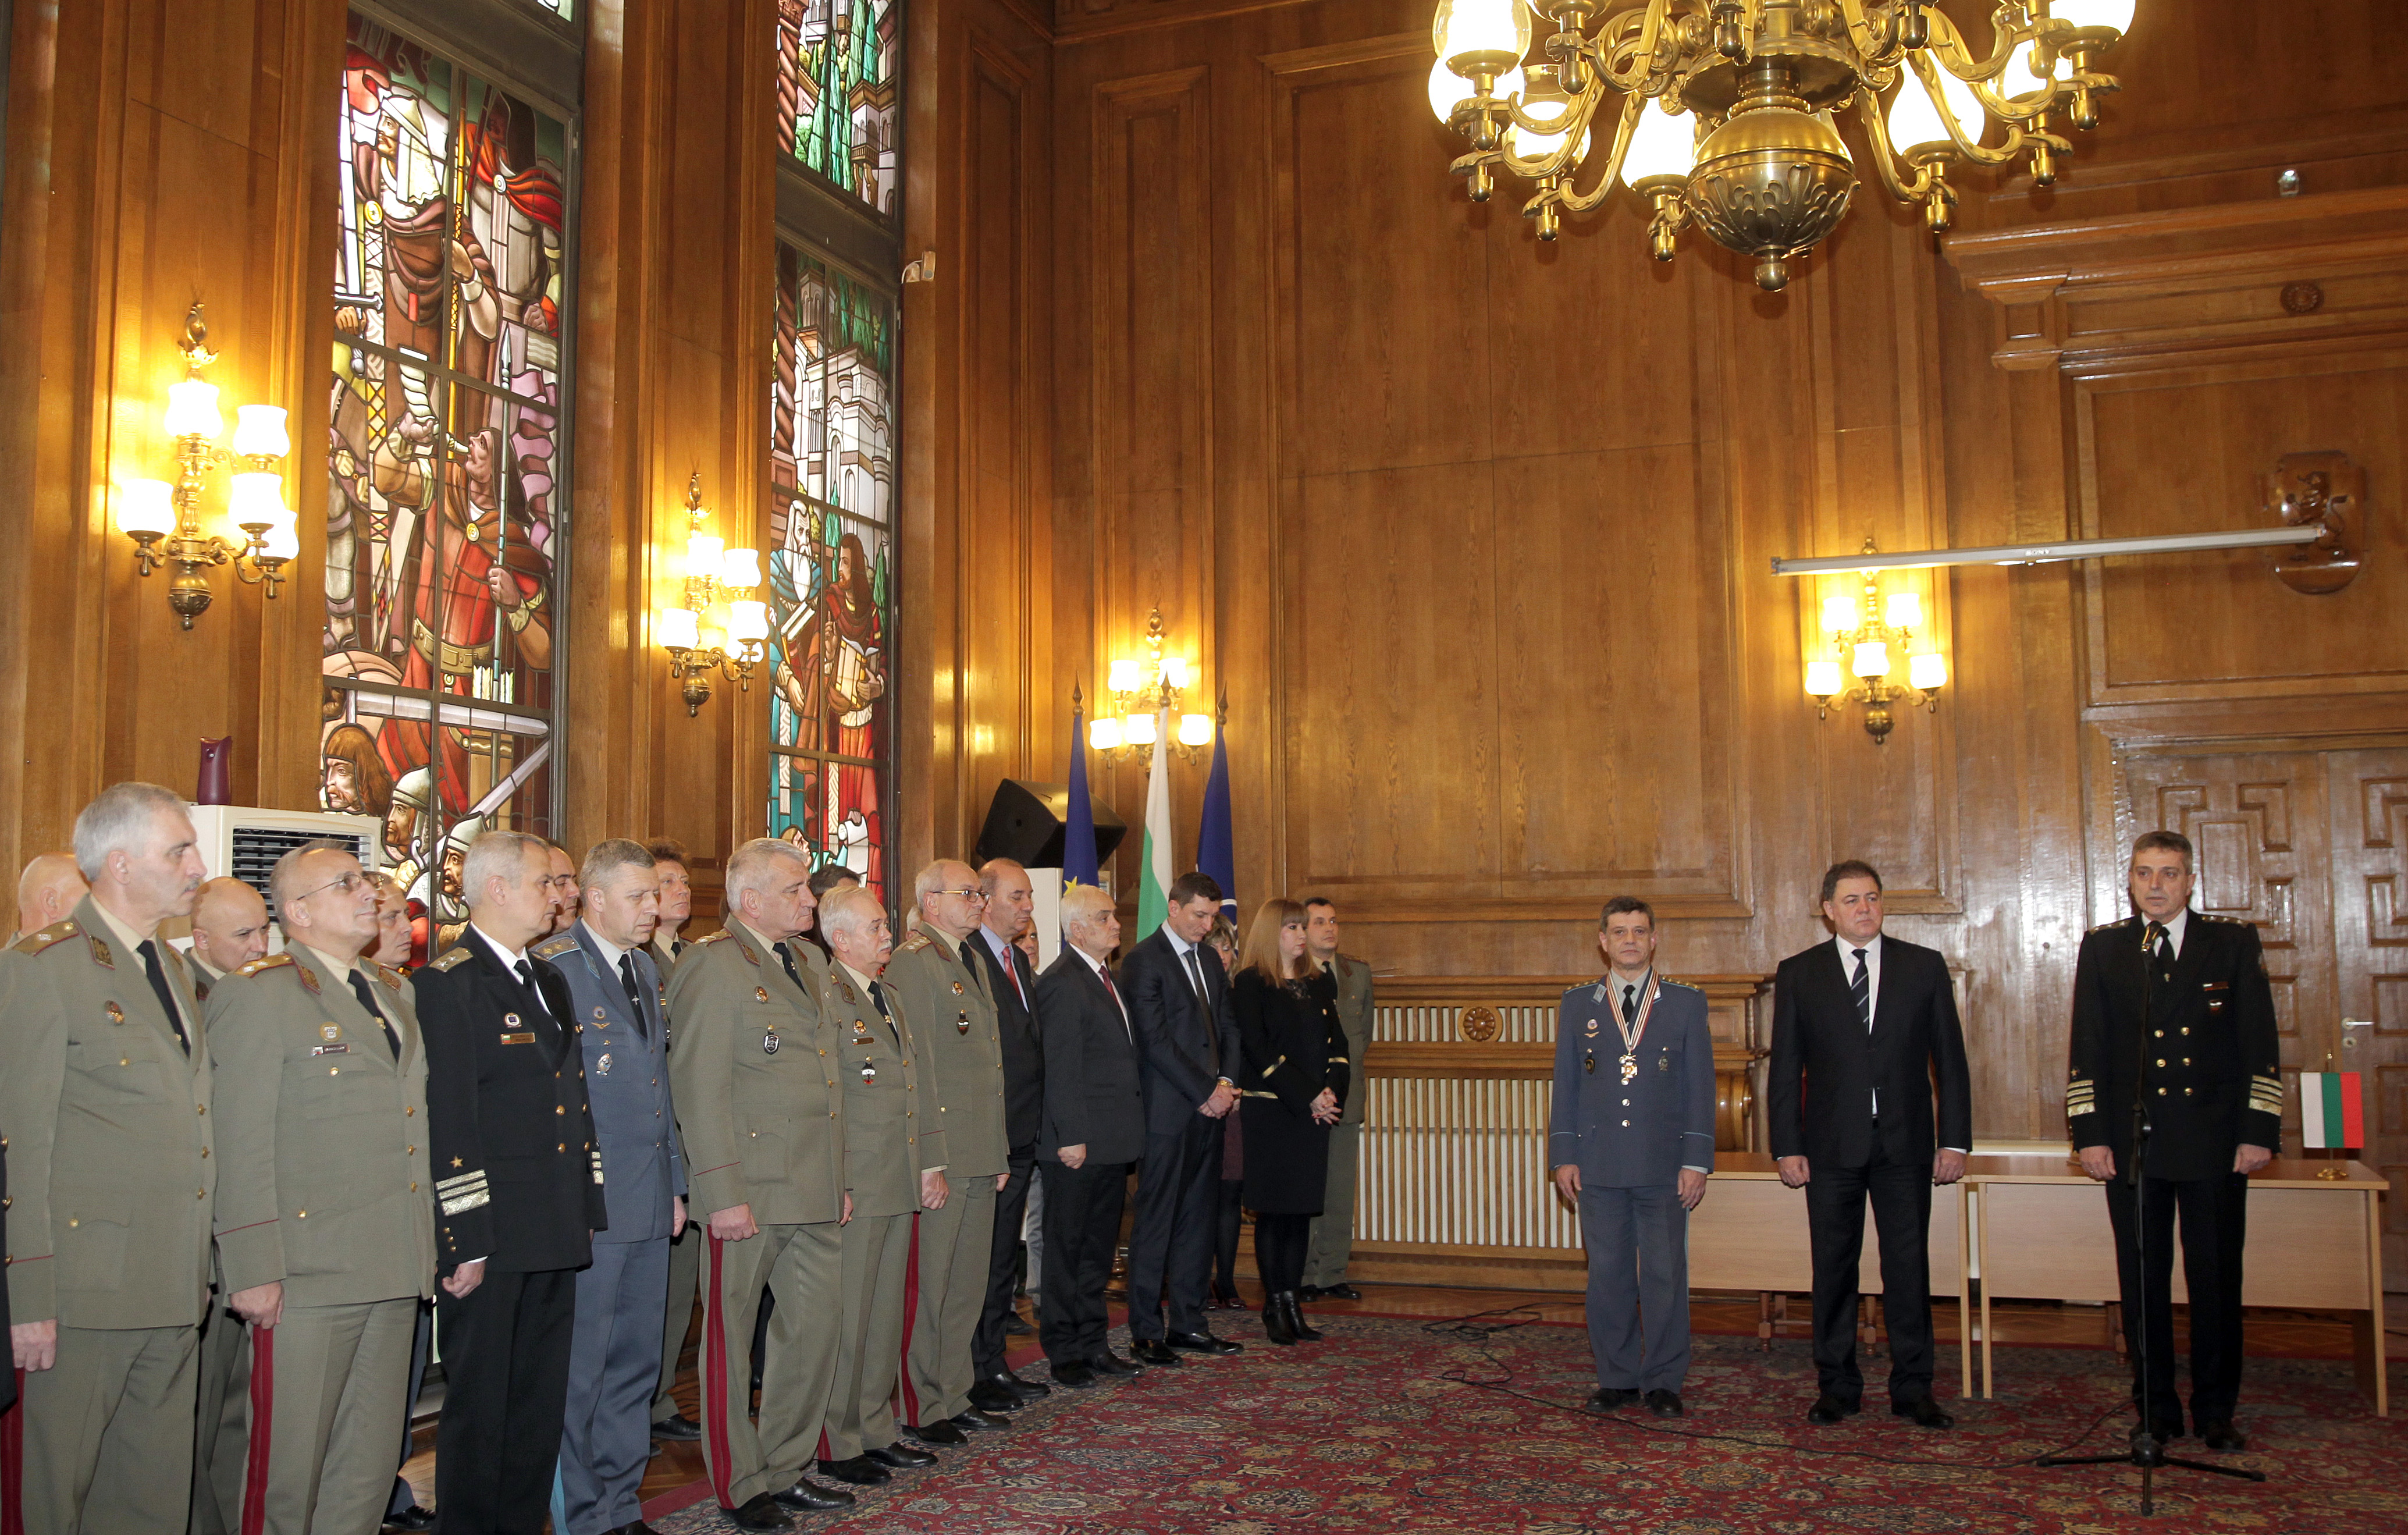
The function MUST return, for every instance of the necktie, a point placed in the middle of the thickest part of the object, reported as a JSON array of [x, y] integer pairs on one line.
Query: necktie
[[167, 993], [1011, 974], [978, 972], [635, 997], [1196, 973], [2161, 946], [1117, 1006], [787, 958], [1629, 1004], [367, 993], [535, 993], [1861, 988], [878, 995]]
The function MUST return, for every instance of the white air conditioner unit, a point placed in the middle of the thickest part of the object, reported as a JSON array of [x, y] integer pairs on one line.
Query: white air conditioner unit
[[245, 842]]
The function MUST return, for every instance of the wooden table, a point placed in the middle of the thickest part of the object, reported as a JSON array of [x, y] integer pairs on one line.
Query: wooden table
[[2041, 1233]]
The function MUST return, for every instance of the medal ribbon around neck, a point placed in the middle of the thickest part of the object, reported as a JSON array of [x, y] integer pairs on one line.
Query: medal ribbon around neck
[[1635, 1030]]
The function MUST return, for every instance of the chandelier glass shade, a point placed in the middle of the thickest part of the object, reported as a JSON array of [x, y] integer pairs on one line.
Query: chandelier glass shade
[[1721, 114]]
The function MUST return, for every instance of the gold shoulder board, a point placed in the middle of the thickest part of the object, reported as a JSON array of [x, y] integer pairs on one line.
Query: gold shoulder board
[[57, 932], [451, 960], [2117, 922], [271, 962], [718, 936], [1683, 985], [914, 944], [554, 948]]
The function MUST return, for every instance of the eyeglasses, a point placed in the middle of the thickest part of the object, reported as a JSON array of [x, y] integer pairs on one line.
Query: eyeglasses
[[349, 885], [974, 895]]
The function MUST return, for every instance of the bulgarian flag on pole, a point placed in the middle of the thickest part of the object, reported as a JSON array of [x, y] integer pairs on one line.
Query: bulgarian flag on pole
[[2332, 1110], [1153, 874]]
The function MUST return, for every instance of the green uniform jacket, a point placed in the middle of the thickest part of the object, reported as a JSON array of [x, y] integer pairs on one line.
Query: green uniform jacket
[[322, 1136], [885, 1148], [108, 1126], [1353, 979], [961, 1046], [753, 1078]]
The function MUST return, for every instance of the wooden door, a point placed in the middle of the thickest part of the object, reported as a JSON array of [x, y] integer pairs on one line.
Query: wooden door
[[2369, 798]]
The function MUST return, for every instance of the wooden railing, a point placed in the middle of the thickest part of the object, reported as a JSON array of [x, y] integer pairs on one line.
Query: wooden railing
[[1453, 1183]]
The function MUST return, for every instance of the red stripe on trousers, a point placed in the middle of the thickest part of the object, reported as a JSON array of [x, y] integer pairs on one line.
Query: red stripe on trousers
[[12, 1463], [262, 1430], [910, 1320], [714, 1380]]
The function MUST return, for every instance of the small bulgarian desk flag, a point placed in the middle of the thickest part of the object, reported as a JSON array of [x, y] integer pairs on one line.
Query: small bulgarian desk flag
[[2332, 1110]]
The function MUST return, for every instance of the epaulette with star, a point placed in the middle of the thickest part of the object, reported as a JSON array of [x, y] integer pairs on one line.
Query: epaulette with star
[[57, 932], [451, 960], [914, 944], [269, 962], [718, 936], [553, 948], [1683, 985], [2236, 922], [2119, 922]]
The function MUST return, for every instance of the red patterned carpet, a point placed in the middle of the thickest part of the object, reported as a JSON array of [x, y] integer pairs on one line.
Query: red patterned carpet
[[1365, 1432]]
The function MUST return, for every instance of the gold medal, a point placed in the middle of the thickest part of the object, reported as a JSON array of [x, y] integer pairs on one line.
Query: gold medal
[[1630, 1067]]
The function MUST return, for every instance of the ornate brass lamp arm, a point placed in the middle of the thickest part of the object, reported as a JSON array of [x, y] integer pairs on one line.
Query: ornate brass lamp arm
[[1574, 201], [1882, 43], [1908, 193]]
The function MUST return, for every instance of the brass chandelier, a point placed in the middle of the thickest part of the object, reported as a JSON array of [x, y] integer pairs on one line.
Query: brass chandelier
[[1740, 139]]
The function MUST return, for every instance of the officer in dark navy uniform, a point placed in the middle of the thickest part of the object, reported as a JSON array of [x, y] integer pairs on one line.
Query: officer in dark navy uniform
[[518, 1191], [1631, 1140], [2173, 1016]]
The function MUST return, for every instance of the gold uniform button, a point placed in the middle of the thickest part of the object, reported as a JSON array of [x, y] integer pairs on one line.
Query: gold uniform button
[[2161, 1091], [71, 1222], [302, 1215], [2161, 1034], [205, 1151], [562, 1109], [200, 1194], [564, 1145], [411, 1109], [125, 1061], [2186, 1060], [413, 1188]]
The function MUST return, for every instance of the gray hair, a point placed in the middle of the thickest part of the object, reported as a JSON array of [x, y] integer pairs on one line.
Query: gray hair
[[280, 879], [499, 855], [611, 854], [932, 879], [851, 909], [1083, 904], [117, 821], [752, 866]]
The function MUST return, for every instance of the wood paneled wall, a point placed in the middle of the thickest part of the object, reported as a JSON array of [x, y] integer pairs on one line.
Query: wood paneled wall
[[1475, 533]]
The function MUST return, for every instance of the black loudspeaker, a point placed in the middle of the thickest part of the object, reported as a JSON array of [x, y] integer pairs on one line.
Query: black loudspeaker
[[1025, 824]]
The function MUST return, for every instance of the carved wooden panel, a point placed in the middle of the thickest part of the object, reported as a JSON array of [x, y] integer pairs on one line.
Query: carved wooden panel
[[2369, 867]]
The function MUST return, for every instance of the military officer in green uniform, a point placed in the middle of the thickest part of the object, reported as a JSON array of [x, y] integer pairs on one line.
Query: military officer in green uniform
[[1333, 1230], [893, 1168], [325, 1211], [104, 1099], [754, 1072], [943, 986]]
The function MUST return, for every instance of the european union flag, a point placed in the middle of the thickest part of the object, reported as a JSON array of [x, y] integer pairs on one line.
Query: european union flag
[[1079, 828]]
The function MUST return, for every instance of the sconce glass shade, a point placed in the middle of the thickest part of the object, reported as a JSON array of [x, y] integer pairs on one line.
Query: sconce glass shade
[[1838, 614], [1822, 678], [1174, 670], [1660, 144], [1124, 677], [1543, 101], [1872, 659], [706, 555], [1449, 90], [1928, 672], [282, 540], [1139, 729], [2022, 81], [259, 432], [255, 501], [146, 506], [1194, 730], [748, 623], [192, 410], [1904, 611], [1104, 735], [677, 629], [1914, 122], [1481, 26], [741, 569], [2103, 15]]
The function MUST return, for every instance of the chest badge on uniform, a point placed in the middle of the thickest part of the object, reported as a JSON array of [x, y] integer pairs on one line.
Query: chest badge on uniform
[[760, 994], [961, 1023], [769, 1041], [850, 995], [957, 989], [602, 1067], [509, 1020], [1588, 1064], [868, 1074], [116, 1013], [330, 1032], [1663, 1063], [600, 1016]]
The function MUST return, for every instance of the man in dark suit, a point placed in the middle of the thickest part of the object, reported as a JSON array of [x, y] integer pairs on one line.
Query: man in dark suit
[[1094, 1128], [1178, 997], [1862, 1026], [518, 1191], [622, 1025], [1011, 906], [2174, 1046]]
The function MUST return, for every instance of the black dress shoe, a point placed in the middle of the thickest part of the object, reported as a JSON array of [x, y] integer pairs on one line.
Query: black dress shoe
[[1612, 1398], [1925, 1411], [975, 1422], [806, 1497], [1310, 1292], [1153, 1350], [678, 1426], [1341, 1291], [902, 1458], [2222, 1436], [412, 1518], [994, 1396], [1830, 1409], [1665, 1404], [860, 1472], [760, 1511], [1075, 1374], [940, 1432], [1203, 1343], [1026, 1391], [1016, 1325], [1108, 1363]]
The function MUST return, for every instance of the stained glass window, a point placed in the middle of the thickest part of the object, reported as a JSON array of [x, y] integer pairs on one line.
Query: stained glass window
[[838, 68], [446, 456], [831, 567]]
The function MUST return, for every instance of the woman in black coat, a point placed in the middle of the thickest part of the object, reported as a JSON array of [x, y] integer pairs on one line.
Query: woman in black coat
[[1296, 1075]]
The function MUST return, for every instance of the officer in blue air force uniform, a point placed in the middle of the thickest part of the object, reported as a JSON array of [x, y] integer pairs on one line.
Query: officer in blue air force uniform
[[615, 1351], [1630, 1141]]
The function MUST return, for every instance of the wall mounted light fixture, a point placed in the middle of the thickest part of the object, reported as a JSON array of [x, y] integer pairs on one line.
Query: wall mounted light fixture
[[1866, 631], [1145, 694], [164, 520], [713, 572]]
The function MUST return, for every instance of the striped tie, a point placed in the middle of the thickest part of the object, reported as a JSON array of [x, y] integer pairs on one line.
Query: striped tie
[[1861, 988]]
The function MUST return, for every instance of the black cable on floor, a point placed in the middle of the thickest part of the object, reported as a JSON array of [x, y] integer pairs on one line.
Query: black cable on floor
[[1476, 1330]]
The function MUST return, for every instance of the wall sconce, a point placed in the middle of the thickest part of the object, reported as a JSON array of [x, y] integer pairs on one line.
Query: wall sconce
[[165, 521], [712, 571], [1864, 632], [1144, 692]]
